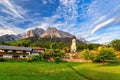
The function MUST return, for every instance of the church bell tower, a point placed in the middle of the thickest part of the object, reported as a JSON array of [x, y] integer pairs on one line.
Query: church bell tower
[[73, 45]]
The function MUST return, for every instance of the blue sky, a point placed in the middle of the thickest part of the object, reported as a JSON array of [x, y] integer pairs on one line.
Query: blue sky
[[97, 21]]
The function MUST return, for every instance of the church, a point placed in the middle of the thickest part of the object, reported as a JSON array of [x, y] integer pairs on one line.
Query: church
[[73, 45]]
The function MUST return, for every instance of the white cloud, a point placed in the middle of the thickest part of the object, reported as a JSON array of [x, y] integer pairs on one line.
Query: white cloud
[[11, 7], [4, 32], [101, 25], [64, 2], [44, 1], [9, 29], [14, 14], [105, 17], [47, 1]]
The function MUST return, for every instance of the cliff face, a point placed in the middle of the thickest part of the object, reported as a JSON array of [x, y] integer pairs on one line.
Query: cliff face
[[34, 33], [39, 33], [53, 32]]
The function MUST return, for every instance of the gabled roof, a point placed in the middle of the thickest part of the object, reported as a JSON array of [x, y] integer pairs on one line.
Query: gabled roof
[[4, 47]]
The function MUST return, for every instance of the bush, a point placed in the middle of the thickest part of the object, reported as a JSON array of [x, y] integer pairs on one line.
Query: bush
[[118, 54], [29, 59], [57, 59], [62, 53], [88, 55], [115, 44], [2, 60], [35, 58], [105, 54]]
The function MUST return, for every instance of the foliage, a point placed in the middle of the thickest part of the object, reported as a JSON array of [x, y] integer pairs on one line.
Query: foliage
[[115, 44], [106, 54], [29, 59], [117, 54], [86, 54], [89, 55], [101, 55], [2, 60], [49, 51], [37, 58], [93, 46], [57, 59], [61, 53], [23, 42], [81, 46]]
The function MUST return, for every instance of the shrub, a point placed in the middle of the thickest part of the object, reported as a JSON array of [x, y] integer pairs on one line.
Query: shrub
[[29, 59], [118, 54], [35, 58], [62, 53], [105, 54], [115, 44], [89, 55], [2, 60], [57, 59]]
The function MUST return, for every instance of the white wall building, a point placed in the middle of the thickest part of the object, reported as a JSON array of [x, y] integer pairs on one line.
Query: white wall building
[[73, 45]]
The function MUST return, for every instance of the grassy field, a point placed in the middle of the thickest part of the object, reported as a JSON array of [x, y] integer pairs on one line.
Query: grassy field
[[99, 71], [61, 71], [37, 71]]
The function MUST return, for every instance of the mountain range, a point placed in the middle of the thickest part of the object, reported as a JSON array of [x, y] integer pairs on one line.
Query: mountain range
[[51, 32], [39, 33]]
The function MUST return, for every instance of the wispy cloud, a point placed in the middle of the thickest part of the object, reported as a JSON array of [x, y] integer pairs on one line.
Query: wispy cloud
[[99, 26], [10, 6], [108, 19], [13, 13]]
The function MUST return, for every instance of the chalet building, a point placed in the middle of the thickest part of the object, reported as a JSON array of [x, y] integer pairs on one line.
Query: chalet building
[[14, 52], [37, 51]]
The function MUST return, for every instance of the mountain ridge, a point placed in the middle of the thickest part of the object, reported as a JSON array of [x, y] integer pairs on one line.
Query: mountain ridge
[[39, 33]]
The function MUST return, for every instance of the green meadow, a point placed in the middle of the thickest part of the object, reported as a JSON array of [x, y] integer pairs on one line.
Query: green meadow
[[60, 71]]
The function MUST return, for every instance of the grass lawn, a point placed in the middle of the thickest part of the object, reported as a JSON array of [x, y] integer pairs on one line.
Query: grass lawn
[[99, 71], [37, 71], [61, 71]]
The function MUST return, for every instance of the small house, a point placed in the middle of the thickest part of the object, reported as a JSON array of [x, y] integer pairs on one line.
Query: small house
[[37, 51]]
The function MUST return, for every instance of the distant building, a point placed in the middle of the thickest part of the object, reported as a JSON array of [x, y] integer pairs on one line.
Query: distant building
[[14, 52], [73, 45], [37, 51]]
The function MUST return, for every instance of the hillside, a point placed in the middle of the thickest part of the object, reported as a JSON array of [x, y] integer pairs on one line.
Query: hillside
[[42, 42]]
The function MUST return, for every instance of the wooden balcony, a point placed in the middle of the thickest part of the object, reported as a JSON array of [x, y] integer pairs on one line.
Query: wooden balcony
[[13, 53]]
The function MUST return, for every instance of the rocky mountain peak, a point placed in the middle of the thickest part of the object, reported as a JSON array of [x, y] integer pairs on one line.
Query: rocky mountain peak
[[51, 32], [34, 33]]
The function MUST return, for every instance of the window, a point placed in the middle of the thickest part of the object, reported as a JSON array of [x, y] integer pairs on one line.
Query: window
[[24, 56], [15, 56]]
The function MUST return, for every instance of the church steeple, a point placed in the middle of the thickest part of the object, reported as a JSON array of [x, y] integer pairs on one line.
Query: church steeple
[[73, 46]]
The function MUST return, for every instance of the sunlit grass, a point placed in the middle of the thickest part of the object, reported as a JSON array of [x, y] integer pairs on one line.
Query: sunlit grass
[[37, 71], [99, 71]]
